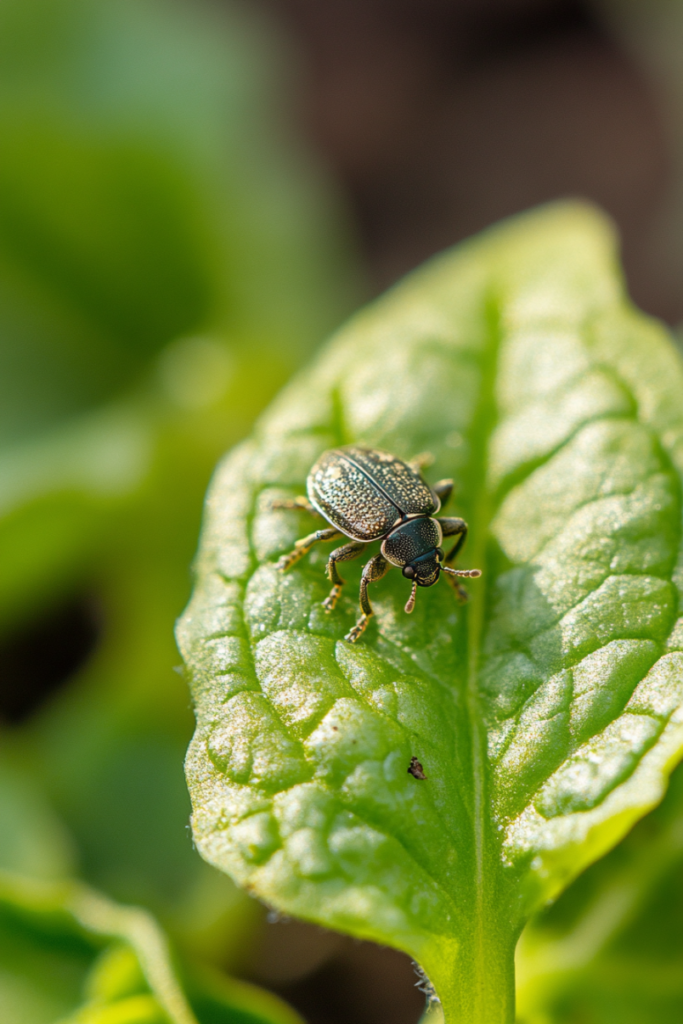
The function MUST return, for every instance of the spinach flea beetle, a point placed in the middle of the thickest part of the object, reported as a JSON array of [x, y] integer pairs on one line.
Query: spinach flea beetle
[[371, 495]]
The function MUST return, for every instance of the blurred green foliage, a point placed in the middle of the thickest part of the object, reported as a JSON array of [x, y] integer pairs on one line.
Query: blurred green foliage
[[169, 253], [71, 954], [149, 191]]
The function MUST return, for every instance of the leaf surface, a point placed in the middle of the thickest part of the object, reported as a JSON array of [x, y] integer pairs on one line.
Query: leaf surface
[[547, 712]]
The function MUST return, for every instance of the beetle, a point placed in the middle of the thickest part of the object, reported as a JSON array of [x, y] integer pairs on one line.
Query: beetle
[[368, 494]]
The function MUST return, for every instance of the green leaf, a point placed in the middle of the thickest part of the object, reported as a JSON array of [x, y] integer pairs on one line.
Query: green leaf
[[611, 948], [547, 713], [68, 952]]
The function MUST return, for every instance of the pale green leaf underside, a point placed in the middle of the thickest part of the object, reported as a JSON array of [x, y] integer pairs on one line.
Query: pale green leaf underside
[[548, 711]]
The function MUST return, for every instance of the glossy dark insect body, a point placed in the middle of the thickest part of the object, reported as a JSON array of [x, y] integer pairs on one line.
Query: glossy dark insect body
[[370, 495]]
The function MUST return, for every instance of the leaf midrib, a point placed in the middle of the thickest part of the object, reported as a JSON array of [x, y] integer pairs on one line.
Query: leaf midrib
[[483, 425]]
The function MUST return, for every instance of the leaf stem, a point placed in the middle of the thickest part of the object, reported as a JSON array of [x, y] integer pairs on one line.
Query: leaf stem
[[477, 984]]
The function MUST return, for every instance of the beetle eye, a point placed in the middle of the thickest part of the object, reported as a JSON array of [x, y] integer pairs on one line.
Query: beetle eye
[[408, 571], [439, 554]]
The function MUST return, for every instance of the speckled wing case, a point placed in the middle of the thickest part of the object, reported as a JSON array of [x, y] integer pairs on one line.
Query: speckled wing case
[[366, 492]]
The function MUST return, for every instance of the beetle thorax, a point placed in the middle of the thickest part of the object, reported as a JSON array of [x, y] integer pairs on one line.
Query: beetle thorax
[[412, 539]]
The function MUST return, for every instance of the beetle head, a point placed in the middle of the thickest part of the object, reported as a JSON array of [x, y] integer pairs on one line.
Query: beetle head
[[424, 571]]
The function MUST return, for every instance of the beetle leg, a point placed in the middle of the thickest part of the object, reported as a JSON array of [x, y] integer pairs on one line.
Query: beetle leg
[[421, 461], [303, 546], [343, 554], [443, 490], [374, 570], [458, 588], [301, 504], [452, 526]]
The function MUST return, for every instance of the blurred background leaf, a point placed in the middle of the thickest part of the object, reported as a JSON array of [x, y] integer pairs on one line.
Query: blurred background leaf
[[68, 952], [610, 950]]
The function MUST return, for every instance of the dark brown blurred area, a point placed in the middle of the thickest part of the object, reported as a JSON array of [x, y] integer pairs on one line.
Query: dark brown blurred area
[[442, 116], [332, 979], [40, 657], [439, 117]]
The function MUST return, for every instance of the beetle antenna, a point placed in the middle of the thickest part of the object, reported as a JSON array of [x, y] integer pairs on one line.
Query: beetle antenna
[[410, 603], [469, 573]]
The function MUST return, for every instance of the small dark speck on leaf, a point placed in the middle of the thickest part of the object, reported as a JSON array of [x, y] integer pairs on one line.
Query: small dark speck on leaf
[[415, 769]]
